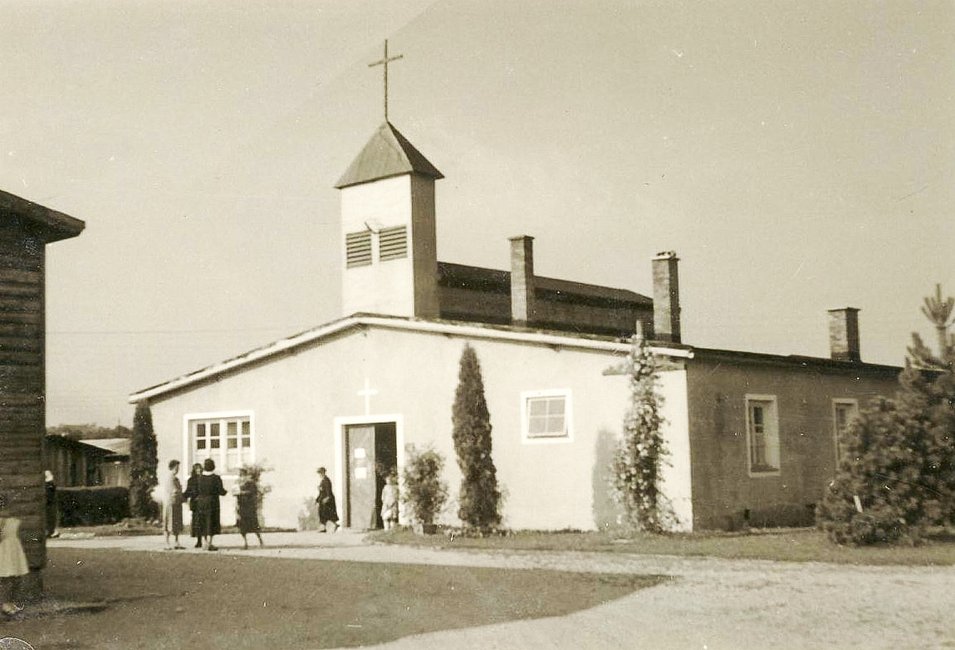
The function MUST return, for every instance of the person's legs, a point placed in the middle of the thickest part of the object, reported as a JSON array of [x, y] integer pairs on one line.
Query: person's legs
[[259, 535], [7, 606], [245, 542]]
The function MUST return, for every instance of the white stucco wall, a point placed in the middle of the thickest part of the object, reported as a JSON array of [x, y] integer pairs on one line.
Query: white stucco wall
[[300, 401], [677, 484]]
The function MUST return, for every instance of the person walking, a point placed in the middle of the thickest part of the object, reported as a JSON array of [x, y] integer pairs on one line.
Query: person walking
[[209, 489], [327, 510], [191, 494], [170, 495], [13, 561]]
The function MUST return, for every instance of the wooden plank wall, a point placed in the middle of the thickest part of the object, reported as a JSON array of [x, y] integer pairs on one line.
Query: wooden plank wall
[[22, 385]]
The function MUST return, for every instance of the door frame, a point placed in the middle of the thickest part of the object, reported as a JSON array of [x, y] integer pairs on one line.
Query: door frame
[[339, 432]]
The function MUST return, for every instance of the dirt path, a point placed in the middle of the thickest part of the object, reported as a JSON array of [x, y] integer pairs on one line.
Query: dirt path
[[709, 603]]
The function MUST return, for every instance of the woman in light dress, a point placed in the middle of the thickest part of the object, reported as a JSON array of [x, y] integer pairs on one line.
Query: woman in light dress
[[170, 496], [13, 562]]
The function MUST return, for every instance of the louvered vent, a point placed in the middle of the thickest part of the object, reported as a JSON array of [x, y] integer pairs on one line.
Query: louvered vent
[[357, 249], [393, 243]]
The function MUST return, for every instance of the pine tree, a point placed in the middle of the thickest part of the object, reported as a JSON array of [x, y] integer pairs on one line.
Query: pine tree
[[877, 495], [143, 463], [641, 453], [928, 394], [898, 475], [479, 498]]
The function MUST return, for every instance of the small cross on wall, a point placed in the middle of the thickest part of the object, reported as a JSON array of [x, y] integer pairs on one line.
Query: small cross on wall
[[367, 392]]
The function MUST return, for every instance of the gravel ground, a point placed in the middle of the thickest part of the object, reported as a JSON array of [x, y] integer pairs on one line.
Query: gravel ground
[[708, 603]]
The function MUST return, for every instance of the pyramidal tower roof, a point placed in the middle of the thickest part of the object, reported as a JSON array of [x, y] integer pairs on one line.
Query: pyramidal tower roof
[[388, 153]]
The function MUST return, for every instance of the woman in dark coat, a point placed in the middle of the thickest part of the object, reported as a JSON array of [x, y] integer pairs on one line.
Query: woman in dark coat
[[209, 489], [192, 494], [327, 510]]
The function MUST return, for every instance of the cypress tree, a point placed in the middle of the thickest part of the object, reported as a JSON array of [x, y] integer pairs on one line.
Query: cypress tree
[[143, 462], [479, 497]]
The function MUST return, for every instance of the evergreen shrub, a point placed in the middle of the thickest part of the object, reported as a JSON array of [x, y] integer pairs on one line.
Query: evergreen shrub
[[92, 506], [424, 493]]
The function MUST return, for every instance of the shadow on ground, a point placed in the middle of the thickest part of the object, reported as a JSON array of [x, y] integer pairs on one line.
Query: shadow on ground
[[171, 600]]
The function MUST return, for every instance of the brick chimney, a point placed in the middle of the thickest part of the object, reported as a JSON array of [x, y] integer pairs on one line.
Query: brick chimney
[[844, 334], [522, 280], [666, 297]]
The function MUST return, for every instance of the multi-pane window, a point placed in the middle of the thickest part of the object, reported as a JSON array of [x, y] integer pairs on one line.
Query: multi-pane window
[[546, 415], [843, 412], [762, 428], [226, 440], [358, 249], [393, 243]]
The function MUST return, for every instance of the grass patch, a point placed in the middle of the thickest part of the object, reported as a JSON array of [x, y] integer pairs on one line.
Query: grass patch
[[194, 600], [791, 545]]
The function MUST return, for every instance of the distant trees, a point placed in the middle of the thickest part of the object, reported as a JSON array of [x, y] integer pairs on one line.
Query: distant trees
[[641, 452], [89, 431], [479, 497], [143, 463], [897, 476]]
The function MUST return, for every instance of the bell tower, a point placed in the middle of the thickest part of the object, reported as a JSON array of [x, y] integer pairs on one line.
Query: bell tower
[[389, 244]]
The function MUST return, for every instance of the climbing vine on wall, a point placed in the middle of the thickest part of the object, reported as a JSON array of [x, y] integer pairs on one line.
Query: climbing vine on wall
[[641, 452]]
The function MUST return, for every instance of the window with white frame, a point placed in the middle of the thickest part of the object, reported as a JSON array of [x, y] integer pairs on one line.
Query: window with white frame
[[762, 434], [227, 440], [843, 412], [546, 415]]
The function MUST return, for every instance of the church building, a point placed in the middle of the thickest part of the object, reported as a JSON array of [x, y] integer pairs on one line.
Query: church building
[[751, 437]]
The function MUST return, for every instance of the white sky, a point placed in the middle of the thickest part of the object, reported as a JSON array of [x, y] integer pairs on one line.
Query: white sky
[[797, 156]]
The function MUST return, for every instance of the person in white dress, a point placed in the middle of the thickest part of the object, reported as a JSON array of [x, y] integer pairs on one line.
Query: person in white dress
[[13, 562]]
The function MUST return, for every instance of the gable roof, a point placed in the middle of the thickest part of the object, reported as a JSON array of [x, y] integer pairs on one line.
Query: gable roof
[[359, 321], [115, 446], [52, 225], [387, 154], [477, 278]]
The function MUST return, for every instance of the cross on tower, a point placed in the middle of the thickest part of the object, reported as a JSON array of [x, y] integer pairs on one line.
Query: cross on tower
[[384, 62]]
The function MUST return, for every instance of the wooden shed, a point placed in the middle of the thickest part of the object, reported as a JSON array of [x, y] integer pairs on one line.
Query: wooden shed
[[25, 230]]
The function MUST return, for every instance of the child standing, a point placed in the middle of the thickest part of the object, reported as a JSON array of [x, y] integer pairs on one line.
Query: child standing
[[13, 562], [389, 502]]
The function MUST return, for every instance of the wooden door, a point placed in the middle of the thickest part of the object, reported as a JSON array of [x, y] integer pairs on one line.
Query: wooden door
[[360, 481]]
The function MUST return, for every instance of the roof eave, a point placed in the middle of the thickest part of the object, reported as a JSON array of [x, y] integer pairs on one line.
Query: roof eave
[[54, 225]]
